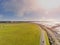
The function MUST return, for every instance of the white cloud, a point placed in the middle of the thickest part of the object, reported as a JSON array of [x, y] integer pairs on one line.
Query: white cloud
[[1, 17], [20, 7]]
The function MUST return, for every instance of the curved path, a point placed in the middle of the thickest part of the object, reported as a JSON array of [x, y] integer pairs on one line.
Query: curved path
[[42, 39], [56, 42]]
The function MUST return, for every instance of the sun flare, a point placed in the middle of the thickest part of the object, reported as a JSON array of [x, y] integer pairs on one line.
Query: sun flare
[[48, 4]]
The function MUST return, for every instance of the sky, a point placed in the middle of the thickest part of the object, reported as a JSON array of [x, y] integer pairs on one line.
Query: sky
[[29, 10]]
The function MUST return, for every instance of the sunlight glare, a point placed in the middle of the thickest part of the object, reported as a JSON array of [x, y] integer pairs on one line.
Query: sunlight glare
[[48, 4]]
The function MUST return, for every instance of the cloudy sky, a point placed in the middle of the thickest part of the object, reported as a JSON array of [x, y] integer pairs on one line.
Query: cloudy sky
[[28, 10]]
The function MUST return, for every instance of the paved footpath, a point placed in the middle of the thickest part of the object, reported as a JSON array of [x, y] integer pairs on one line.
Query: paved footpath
[[51, 34], [42, 38]]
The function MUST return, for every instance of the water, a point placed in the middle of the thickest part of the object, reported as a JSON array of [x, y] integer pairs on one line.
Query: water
[[50, 24]]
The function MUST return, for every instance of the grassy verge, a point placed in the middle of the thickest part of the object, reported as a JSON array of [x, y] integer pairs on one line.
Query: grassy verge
[[46, 38]]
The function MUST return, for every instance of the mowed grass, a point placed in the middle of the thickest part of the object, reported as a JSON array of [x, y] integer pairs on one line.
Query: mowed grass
[[19, 34]]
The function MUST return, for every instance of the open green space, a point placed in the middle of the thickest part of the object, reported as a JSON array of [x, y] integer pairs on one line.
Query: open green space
[[19, 34]]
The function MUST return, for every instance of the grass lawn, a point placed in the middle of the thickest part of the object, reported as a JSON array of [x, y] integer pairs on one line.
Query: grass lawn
[[19, 34]]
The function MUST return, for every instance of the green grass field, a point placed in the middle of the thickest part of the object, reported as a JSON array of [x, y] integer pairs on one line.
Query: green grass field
[[19, 34]]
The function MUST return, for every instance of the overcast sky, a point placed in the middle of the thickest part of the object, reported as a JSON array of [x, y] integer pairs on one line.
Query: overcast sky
[[28, 10]]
